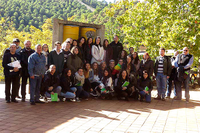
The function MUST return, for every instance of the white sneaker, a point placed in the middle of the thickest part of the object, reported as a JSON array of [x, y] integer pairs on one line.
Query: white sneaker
[[77, 99]]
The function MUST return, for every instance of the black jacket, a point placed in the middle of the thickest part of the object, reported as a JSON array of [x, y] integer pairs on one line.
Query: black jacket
[[24, 61], [87, 53], [143, 83], [167, 66], [51, 80], [148, 66], [67, 83], [117, 48], [6, 60]]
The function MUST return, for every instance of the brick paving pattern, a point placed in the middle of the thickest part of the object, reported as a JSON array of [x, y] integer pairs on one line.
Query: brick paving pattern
[[104, 116]]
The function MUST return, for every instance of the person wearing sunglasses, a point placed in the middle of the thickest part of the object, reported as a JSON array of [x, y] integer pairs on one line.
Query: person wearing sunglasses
[[183, 63]]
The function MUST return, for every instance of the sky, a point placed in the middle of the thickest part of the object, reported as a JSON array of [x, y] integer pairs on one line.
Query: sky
[[108, 0]]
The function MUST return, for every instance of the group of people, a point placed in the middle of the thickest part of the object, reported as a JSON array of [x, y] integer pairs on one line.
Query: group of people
[[79, 69]]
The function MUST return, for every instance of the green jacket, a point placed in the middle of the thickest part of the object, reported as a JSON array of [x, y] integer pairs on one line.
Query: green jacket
[[167, 66]]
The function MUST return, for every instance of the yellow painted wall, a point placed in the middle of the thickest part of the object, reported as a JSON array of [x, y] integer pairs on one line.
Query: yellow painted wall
[[70, 31], [87, 32]]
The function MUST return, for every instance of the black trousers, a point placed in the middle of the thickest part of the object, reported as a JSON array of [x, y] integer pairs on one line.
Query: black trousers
[[23, 86], [14, 80]]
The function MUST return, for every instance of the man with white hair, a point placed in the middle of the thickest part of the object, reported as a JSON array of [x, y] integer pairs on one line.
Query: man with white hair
[[25, 53], [183, 64], [11, 73], [36, 70]]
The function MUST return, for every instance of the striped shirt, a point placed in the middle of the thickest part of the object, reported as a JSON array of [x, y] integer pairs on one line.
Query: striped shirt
[[160, 64]]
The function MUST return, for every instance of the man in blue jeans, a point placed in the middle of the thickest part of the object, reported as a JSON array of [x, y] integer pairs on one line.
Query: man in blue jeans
[[36, 69], [183, 63], [162, 70]]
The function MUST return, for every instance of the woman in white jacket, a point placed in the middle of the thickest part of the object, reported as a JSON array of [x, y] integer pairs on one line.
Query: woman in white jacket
[[97, 51]]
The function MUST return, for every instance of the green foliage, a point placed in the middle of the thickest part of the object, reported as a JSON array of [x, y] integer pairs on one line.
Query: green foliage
[[161, 23], [35, 12]]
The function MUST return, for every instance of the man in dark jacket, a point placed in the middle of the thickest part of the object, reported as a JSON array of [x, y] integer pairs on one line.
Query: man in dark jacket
[[56, 57], [185, 61], [117, 48], [162, 70], [25, 53], [51, 82], [11, 73]]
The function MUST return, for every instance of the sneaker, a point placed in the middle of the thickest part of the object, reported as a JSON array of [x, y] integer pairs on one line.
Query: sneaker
[[32, 103], [92, 94], [14, 101], [18, 97], [157, 98], [77, 99], [187, 100], [176, 98], [86, 99], [72, 100], [7, 101]]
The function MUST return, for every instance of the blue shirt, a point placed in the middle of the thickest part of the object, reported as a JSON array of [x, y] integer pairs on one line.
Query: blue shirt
[[36, 64]]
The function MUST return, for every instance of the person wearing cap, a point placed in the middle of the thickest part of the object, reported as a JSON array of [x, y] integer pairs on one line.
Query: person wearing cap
[[18, 48], [36, 70], [11, 73], [25, 53], [56, 57], [183, 63]]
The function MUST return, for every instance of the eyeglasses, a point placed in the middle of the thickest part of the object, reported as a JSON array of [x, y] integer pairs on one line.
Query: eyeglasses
[[185, 50]]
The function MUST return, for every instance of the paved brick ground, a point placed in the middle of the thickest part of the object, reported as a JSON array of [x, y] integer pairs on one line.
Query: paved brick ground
[[101, 116]]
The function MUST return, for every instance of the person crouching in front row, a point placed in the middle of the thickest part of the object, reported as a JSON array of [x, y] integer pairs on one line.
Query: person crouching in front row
[[145, 87], [51, 82]]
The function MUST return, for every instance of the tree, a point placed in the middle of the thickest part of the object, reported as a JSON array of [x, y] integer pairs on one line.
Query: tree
[[161, 23]]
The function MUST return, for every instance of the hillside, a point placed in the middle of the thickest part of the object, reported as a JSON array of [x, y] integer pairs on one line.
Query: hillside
[[25, 13]]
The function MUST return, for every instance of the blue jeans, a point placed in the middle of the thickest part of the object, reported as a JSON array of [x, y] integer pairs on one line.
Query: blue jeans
[[179, 89], [35, 85], [169, 87], [81, 92], [147, 96], [57, 90], [161, 81], [69, 94]]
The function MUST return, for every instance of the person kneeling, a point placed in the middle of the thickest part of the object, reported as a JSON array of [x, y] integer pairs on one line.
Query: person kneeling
[[105, 88], [51, 82], [68, 90], [145, 87], [80, 80]]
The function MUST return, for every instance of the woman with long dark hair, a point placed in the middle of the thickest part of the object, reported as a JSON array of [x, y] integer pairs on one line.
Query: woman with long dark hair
[[146, 64], [108, 51], [97, 51], [136, 61], [102, 67], [73, 61], [87, 72], [88, 50], [81, 45], [94, 76], [124, 86], [105, 89], [123, 55], [67, 84]]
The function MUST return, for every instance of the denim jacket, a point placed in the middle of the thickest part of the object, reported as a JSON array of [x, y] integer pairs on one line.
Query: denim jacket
[[36, 64]]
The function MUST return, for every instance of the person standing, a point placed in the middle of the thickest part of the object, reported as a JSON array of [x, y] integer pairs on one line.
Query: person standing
[[25, 53], [97, 51], [183, 63], [36, 69], [45, 52], [117, 48], [18, 48], [108, 51], [172, 77], [56, 57], [88, 50], [131, 51], [11, 73], [81, 46], [66, 50], [162, 70]]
